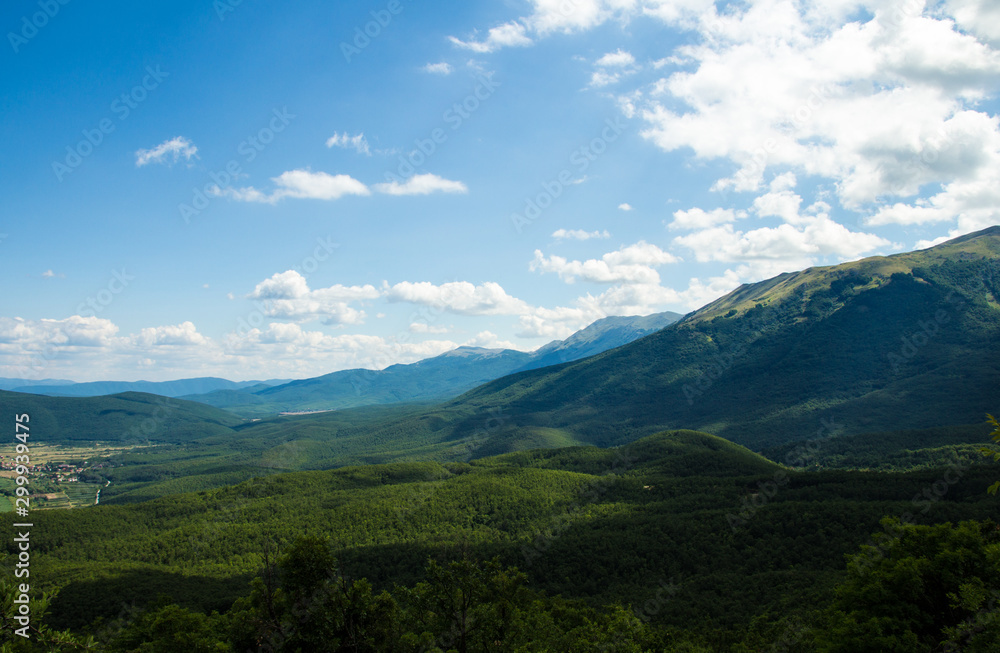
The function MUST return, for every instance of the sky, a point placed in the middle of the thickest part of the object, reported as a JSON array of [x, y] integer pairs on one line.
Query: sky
[[263, 190]]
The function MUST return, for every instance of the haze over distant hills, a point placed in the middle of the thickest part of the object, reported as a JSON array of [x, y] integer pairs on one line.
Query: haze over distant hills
[[164, 388], [437, 378]]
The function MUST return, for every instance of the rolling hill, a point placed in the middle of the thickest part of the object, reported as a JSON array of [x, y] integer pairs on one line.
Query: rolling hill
[[131, 417]]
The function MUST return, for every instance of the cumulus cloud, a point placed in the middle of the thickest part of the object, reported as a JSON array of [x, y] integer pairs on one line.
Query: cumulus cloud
[[287, 295], [513, 34], [700, 219], [795, 247], [784, 87], [358, 142], [169, 151], [302, 184], [625, 206], [579, 234], [459, 297], [181, 334], [631, 264], [423, 184]]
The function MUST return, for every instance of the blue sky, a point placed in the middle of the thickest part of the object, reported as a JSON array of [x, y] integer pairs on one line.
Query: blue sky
[[262, 190]]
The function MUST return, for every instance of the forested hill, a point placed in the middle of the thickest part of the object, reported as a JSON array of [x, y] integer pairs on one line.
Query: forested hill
[[885, 343], [129, 418]]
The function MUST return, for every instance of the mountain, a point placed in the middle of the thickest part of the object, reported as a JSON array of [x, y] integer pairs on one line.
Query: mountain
[[128, 418], [885, 343], [902, 342], [162, 388], [603, 335], [10, 384], [433, 379]]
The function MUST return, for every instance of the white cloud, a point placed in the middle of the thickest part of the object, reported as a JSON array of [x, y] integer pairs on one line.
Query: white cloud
[[423, 184], [632, 264], [624, 206], [579, 234], [513, 34], [700, 219], [181, 334], [459, 297], [489, 340], [787, 87], [980, 17], [442, 68], [793, 247], [618, 59], [20, 336], [612, 67], [287, 295], [423, 327], [303, 184], [358, 142], [169, 151]]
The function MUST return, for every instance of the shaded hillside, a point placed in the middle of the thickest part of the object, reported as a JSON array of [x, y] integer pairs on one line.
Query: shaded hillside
[[908, 341], [128, 418]]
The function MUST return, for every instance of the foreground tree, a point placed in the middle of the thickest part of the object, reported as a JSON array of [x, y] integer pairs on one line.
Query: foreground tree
[[993, 453], [919, 588]]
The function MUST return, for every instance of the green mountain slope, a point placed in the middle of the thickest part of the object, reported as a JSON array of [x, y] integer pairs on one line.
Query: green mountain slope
[[910, 341], [907, 341], [128, 418]]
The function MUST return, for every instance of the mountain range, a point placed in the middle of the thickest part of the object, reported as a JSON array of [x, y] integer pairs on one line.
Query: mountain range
[[433, 379], [895, 343], [56, 388]]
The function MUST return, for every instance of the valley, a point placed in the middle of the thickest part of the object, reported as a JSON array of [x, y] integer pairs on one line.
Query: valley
[[698, 488]]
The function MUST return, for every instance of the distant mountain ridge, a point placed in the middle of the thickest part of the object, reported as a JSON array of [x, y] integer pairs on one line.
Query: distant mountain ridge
[[163, 388], [432, 379]]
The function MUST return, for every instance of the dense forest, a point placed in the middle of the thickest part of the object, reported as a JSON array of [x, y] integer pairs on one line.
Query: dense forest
[[680, 542]]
